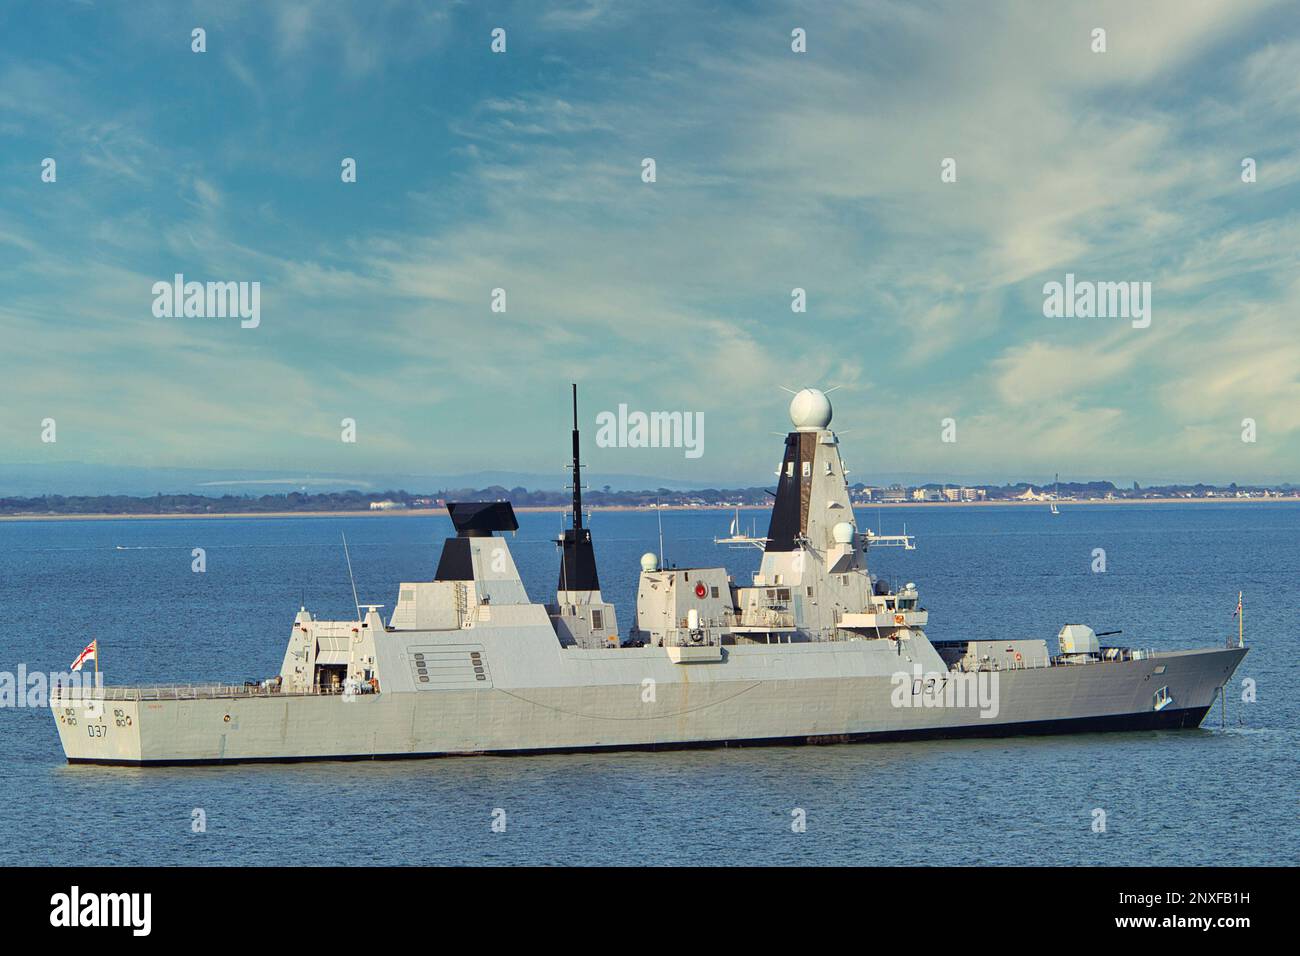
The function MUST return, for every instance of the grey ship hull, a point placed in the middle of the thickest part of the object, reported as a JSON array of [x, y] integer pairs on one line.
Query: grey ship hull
[[742, 700]]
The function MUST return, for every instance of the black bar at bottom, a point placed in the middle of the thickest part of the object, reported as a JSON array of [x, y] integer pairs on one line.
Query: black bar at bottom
[[338, 904]]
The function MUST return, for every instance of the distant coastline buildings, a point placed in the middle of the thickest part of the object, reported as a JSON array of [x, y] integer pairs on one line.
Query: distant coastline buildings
[[398, 502], [898, 494], [1074, 491]]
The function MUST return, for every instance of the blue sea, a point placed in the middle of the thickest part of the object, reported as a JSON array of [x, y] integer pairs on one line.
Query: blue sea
[[1222, 795]]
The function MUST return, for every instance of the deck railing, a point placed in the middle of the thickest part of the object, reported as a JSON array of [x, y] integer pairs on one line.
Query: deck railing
[[198, 692]]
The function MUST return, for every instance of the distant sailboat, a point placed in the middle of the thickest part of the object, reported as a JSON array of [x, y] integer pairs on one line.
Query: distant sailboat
[[1056, 493], [738, 537]]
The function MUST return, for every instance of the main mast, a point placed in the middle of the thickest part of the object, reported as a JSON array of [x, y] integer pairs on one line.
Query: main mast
[[577, 557]]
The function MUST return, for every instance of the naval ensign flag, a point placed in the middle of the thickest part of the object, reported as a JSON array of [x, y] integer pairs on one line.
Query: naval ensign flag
[[91, 653]]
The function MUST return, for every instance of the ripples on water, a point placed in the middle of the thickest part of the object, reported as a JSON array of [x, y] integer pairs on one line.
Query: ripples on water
[[1195, 797]]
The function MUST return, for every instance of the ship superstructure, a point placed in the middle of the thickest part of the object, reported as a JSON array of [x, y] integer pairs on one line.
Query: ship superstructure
[[812, 583], [813, 650]]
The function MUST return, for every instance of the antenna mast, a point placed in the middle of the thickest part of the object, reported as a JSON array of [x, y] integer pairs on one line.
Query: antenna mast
[[577, 558], [577, 466], [356, 603]]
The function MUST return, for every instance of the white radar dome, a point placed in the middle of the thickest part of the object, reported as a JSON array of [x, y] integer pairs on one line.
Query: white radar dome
[[810, 410], [842, 532], [649, 561]]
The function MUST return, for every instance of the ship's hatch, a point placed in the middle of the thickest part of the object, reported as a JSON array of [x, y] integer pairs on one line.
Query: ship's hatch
[[332, 651], [332, 656]]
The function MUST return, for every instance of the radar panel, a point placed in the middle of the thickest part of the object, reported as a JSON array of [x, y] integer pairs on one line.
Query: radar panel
[[478, 519]]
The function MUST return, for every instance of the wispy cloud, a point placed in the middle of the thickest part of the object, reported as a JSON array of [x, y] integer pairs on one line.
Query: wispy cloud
[[775, 170]]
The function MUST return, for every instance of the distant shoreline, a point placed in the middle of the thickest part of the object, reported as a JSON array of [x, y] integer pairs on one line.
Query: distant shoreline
[[1064, 505]]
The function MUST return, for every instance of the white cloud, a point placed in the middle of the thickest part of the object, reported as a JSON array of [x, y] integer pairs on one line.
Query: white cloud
[[776, 170]]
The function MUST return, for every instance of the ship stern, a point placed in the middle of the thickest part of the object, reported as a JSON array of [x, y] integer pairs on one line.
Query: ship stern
[[93, 730]]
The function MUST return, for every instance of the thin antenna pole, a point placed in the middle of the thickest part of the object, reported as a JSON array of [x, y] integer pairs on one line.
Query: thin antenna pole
[[659, 513], [355, 601]]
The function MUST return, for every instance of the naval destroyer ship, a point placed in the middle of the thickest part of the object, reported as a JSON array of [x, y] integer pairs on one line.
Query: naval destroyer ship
[[815, 649]]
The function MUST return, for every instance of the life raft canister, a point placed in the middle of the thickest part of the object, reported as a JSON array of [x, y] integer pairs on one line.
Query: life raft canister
[[701, 590]]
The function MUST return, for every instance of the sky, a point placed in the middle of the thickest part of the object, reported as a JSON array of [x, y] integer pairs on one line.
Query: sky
[[522, 170]]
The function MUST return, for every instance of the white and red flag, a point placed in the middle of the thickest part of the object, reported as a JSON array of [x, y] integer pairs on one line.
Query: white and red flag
[[89, 654]]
